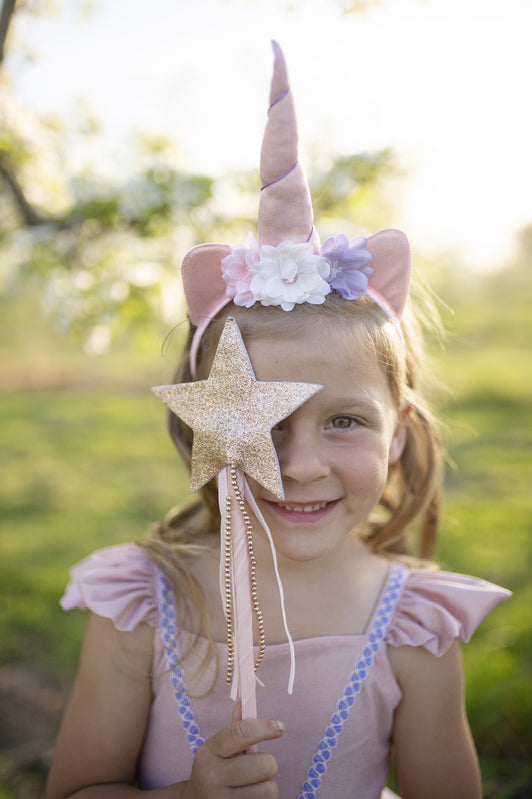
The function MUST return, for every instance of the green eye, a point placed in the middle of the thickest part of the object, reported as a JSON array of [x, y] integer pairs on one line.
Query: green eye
[[342, 422]]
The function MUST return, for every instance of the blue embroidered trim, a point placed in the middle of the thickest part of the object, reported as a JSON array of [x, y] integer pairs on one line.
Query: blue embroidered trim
[[171, 651], [343, 708]]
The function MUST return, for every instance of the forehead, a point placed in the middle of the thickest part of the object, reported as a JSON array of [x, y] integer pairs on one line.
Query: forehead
[[328, 354]]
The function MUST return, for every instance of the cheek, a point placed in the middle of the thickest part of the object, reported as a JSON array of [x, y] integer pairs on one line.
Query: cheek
[[367, 470]]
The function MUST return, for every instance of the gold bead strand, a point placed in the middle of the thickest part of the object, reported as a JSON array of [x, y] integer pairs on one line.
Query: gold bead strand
[[252, 567], [228, 588]]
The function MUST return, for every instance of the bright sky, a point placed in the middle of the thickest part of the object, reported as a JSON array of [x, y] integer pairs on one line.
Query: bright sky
[[446, 83]]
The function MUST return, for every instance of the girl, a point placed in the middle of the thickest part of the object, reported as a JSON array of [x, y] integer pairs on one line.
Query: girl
[[333, 371]]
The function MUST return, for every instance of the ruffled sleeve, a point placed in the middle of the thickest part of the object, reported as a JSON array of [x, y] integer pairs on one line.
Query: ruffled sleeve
[[118, 583], [435, 608]]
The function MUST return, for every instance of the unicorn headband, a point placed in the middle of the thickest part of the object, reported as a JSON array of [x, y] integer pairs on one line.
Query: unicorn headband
[[287, 265], [231, 413]]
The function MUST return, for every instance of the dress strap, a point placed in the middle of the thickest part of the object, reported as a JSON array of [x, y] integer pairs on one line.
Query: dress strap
[[168, 629], [376, 635], [389, 596]]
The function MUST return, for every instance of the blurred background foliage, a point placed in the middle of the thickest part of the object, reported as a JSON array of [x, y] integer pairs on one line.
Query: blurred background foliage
[[90, 315]]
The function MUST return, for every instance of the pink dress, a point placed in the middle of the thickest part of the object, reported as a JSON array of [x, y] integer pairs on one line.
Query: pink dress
[[339, 718]]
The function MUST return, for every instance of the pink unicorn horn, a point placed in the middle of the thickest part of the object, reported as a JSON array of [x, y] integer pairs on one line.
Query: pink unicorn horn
[[285, 209]]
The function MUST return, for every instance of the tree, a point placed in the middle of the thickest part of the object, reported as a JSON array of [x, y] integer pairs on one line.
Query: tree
[[102, 249]]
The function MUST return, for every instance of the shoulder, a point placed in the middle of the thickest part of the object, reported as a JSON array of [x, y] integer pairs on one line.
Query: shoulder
[[434, 608], [119, 583], [416, 666]]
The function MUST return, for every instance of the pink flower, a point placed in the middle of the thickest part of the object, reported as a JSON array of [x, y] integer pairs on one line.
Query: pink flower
[[237, 271]]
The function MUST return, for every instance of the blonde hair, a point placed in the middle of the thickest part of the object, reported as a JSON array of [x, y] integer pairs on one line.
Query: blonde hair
[[413, 490]]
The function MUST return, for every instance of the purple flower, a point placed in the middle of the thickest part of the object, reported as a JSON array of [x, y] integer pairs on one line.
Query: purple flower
[[350, 265]]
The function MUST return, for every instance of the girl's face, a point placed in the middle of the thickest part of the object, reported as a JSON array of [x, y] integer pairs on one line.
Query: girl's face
[[334, 451]]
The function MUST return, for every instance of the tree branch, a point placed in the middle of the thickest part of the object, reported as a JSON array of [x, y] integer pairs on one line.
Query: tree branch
[[29, 214], [6, 15]]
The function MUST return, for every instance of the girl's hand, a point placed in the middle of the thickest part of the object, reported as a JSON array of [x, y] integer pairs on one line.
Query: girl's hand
[[223, 766]]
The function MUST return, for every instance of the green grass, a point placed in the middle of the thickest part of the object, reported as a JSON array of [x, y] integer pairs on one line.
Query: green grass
[[80, 470], [487, 531], [92, 466]]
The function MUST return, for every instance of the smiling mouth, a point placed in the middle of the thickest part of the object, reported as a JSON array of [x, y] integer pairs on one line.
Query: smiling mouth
[[303, 508]]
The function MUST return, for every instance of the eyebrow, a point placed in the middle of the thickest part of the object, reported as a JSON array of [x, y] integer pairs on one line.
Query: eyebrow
[[358, 402]]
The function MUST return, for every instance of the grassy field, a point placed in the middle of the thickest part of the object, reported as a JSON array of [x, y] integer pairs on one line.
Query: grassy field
[[86, 462]]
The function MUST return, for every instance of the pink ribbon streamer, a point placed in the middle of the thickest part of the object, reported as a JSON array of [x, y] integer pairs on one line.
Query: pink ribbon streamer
[[244, 681], [244, 655], [255, 508]]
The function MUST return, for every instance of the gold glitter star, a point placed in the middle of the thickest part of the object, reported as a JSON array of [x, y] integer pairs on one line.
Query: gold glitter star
[[232, 414]]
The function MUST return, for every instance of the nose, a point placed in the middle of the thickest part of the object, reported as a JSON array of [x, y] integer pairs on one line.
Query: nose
[[302, 456]]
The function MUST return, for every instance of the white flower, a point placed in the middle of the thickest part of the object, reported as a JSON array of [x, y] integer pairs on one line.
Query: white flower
[[290, 274]]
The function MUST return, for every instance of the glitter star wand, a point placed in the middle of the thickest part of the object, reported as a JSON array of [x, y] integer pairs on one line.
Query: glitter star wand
[[231, 415]]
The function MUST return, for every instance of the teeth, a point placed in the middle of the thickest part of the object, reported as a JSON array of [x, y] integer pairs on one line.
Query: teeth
[[305, 508]]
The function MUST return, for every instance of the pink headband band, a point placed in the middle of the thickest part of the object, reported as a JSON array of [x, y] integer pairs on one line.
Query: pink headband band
[[287, 265]]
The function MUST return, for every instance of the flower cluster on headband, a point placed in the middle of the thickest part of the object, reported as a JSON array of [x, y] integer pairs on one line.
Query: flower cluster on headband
[[290, 273]]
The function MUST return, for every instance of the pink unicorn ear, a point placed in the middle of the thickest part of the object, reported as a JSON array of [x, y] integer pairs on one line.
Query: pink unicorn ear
[[203, 283], [392, 264]]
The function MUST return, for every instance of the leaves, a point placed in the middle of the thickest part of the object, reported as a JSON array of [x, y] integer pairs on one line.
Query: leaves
[[85, 235]]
